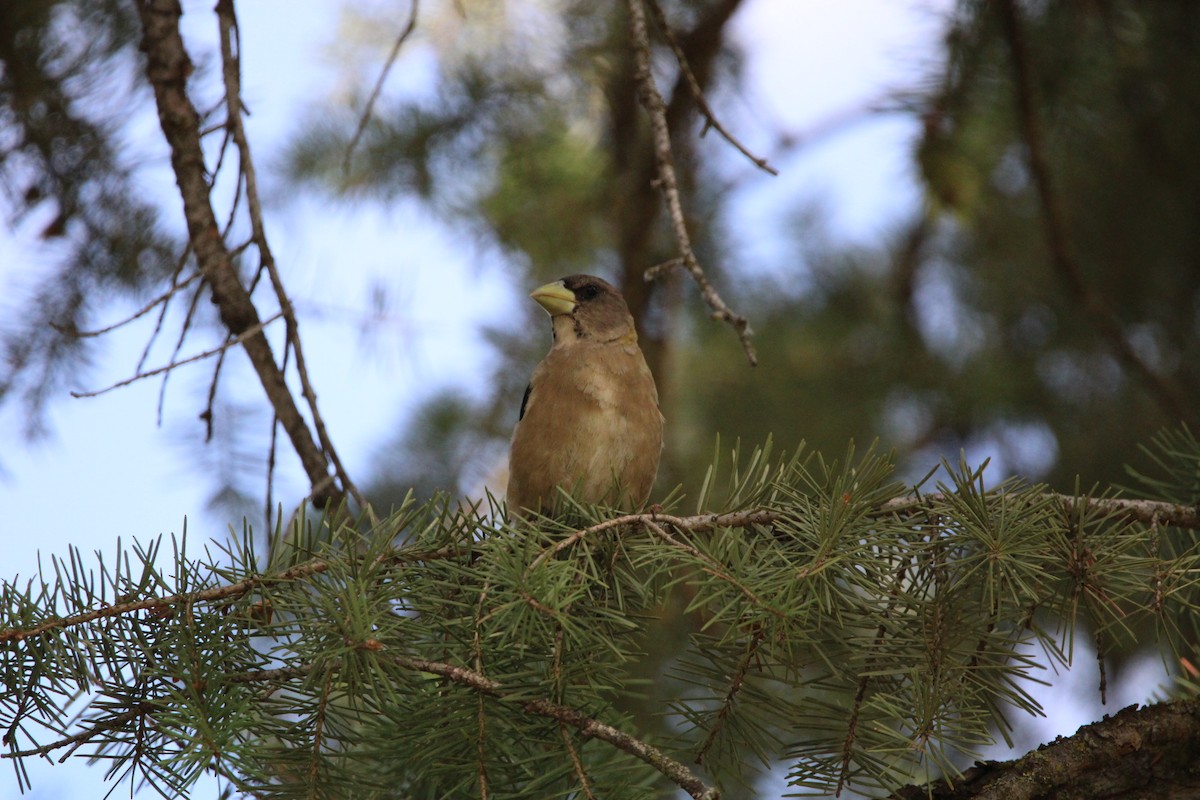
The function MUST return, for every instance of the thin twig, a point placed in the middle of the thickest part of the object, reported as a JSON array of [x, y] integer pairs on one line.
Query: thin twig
[[141, 312], [1062, 253], [710, 117], [233, 342], [162, 314], [231, 61], [668, 182], [183, 332], [369, 109]]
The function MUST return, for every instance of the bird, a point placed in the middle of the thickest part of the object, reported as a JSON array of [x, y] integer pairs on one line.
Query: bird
[[590, 422]]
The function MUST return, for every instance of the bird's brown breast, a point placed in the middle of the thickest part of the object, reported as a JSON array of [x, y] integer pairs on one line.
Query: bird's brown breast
[[591, 426]]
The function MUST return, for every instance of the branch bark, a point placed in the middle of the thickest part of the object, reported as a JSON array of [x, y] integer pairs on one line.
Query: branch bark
[[1137, 753], [168, 68]]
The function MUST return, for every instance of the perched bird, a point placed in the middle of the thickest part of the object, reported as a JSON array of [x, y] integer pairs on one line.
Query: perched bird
[[589, 421]]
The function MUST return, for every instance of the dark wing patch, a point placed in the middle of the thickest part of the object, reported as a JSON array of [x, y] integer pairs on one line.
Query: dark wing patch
[[524, 402]]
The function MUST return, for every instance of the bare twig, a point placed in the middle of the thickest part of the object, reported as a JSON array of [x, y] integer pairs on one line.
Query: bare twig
[[254, 330], [141, 312], [685, 69], [167, 68], [668, 183], [231, 60], [184, 327], [1062, 253], [365, 118]]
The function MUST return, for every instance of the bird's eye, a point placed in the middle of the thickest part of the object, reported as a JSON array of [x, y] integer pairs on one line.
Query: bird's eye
[[588, 292]]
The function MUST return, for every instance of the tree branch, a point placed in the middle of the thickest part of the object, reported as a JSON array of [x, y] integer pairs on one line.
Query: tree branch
[[668, 182], [683, 777], [686, 74], [216, 593], [168, 68], [1143, 511], [231, 61]]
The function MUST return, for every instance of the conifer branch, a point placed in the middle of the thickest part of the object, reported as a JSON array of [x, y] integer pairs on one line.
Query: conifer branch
[[735, 687], [164, 604], [588, 726], [1130, 510]]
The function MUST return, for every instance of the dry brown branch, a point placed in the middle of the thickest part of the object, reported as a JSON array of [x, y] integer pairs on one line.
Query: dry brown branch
[[365, 118], [1058, 241], [231, 62], [253, 330], [668, 182], [168, 68], [685, 71]]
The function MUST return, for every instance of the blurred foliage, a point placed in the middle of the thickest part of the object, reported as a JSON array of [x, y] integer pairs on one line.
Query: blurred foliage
[[67, 77]]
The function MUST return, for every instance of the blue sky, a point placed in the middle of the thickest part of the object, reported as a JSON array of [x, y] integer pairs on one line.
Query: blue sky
[[109, 472]]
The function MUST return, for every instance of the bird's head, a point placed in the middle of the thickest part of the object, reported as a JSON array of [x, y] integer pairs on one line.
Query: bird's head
[[585, 308]]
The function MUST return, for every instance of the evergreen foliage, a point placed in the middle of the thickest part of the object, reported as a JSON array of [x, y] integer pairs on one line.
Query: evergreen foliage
[[865, 634]]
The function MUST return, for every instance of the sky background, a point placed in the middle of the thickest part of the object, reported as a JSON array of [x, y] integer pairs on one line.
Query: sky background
[[109, 474]]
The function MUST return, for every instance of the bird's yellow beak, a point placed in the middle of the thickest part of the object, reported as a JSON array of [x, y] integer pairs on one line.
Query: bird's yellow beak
[[555, 298]]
